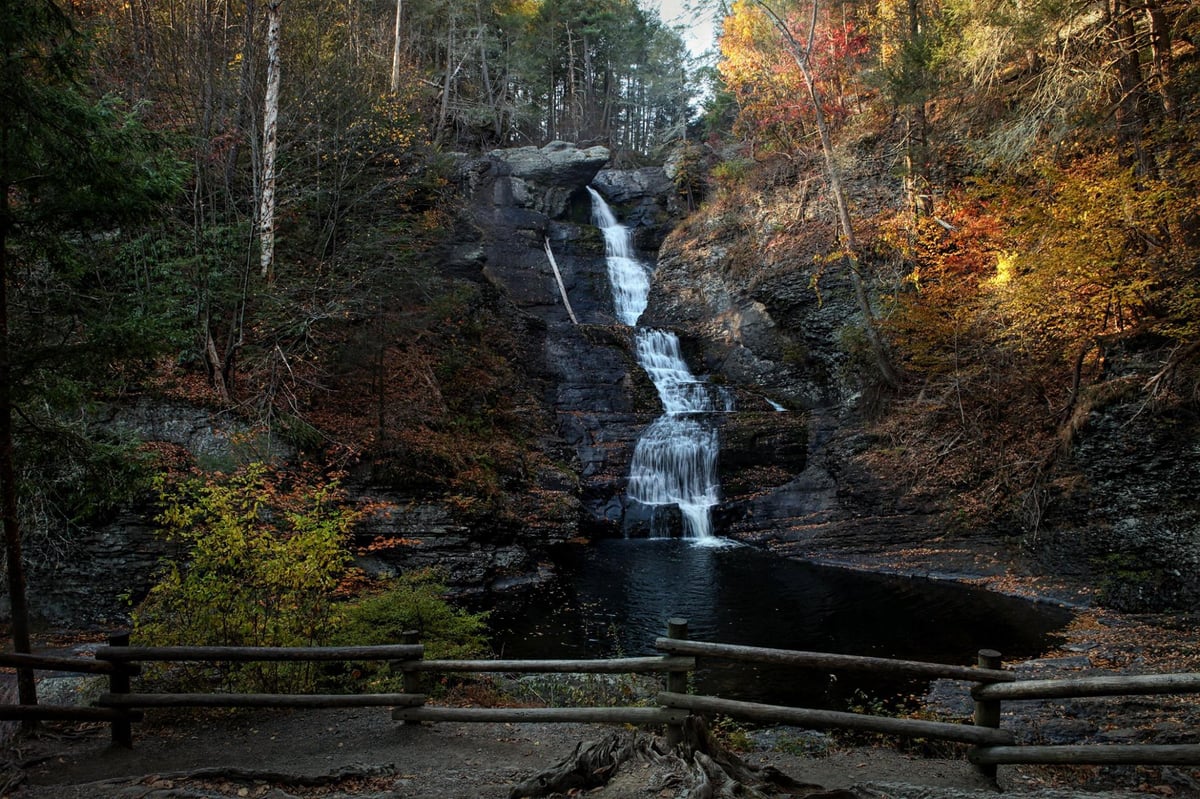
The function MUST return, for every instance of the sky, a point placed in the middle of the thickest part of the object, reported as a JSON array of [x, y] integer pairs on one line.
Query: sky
[[698, 33]]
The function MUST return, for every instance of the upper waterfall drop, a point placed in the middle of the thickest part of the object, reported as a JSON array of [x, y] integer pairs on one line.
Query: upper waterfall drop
[[675, 460], [629, 278]]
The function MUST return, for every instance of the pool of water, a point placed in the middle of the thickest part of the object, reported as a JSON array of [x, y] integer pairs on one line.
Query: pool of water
[[614, 598]]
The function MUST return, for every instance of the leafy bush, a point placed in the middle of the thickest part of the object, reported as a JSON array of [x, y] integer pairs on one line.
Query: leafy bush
[[263, 554], [412, 602]]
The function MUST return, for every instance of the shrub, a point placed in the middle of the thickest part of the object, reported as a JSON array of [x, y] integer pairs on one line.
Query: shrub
[[413, 601], [263, 554]]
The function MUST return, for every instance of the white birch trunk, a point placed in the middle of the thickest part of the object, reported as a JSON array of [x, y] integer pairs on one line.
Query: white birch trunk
[[266, 214], [396, 50]]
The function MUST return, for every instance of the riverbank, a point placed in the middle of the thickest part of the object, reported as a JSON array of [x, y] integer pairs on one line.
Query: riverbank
[[362, 753]]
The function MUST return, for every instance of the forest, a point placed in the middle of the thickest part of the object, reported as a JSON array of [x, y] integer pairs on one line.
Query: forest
[[240, 206]]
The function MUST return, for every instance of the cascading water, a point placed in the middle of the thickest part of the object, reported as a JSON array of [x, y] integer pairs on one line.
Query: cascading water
[[675, 460]]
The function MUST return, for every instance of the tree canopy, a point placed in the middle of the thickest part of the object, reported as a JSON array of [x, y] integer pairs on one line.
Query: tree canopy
[[1048, 221]]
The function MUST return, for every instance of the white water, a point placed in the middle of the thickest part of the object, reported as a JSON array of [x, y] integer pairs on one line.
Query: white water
[[675, 460], [630, 280]]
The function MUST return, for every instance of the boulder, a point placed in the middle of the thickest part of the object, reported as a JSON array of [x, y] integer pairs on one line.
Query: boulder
[[544, 179], [620, 186]]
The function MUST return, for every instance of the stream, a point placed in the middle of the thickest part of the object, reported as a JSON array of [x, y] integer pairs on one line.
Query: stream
[[613, 598]]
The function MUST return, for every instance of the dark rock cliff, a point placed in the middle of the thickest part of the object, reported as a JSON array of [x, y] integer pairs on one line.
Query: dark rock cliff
[[1121, 509], [776, 332], [1115, 515], [586, 371]]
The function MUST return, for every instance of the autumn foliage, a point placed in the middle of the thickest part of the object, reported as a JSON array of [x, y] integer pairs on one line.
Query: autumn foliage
[[1026, 198]]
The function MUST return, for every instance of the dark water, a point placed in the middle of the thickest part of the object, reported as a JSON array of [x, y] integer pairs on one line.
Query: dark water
[[615, 597]]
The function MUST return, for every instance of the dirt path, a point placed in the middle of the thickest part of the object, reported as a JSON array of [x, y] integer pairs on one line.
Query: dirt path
[[377, 757]]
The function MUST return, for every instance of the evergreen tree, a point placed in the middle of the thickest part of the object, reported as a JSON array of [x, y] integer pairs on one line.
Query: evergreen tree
[[72, 169]]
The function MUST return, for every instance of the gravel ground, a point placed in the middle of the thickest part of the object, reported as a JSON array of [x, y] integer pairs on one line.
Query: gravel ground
[[363, 753]]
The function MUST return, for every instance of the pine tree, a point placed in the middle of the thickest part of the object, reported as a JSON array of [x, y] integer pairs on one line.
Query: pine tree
[[71, 168]]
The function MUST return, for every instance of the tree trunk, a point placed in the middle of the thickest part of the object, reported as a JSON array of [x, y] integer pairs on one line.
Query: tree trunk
[[1160, 50], [631, 762], [216, 366], [916, 155], [800, 53], [396, 49], [266, 217], [1128, 89], [493, 98], [572, 91], [26, 687], [447, 83], [242, 116]]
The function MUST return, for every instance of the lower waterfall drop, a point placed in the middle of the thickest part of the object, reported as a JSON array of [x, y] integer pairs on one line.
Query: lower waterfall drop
[[675, 460]]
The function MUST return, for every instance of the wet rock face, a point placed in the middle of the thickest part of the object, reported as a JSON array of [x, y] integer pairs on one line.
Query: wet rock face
[[1123, 513], [403, 534], [520, 199], [90, 574], [87, 585], [774, 340], [773, 331], [645, 200]]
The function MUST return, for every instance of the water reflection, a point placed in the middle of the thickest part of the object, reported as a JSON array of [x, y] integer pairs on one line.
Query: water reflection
[[615, 597]]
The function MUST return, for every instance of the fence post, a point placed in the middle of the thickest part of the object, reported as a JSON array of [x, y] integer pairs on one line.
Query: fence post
[[987, 712], [412, 679], [118, 683], [677, 681]]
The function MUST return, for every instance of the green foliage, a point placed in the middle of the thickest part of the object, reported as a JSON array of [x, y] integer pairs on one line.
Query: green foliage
[[414, 601], [75, 170], [731, 734], [729, 175], [262, 555], [72, 475], [188, 275]]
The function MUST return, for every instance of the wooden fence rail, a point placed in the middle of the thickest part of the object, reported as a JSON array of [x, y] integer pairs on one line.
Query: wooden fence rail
[[71, 665], [834, 719], [20, 660], [260, 700], [825, 660], [1089, 755], [250, 654], [642, 665], [992, 686], [1078, 687]]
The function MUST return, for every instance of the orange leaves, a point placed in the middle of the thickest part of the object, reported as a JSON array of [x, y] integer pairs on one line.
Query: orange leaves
[[761, 72], [387, 543], [949, 256]]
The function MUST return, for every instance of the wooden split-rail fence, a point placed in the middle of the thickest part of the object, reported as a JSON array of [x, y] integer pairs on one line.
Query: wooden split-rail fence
[[991, 685]]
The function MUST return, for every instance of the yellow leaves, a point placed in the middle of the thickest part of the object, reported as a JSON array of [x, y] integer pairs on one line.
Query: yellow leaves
[[1006, 264]]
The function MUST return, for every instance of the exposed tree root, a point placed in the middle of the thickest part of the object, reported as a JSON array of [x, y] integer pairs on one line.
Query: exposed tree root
[[166, 785], [638, 764]]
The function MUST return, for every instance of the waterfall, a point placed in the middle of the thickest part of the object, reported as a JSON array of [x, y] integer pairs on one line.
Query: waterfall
[[675, 460]]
